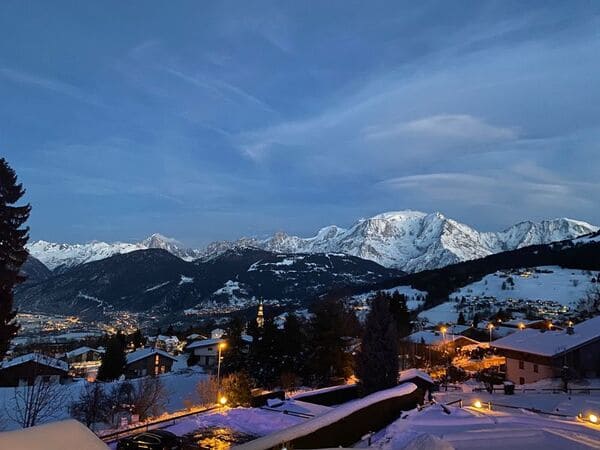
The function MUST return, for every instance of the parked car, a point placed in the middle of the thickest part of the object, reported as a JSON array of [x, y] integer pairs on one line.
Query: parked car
[[151, 440]]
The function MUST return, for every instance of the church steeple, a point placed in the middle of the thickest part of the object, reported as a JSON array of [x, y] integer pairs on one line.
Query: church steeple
[[260, 317]]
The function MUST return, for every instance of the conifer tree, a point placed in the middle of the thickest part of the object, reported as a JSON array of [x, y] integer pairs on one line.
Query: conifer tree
[[329, 328], [235, 355], [113, 361], [377, 362], [461, 319], [13, 237], [400, 313]]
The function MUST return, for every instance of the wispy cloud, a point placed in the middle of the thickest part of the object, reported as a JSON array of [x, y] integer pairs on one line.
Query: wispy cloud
[[445, 126], [58, 87]]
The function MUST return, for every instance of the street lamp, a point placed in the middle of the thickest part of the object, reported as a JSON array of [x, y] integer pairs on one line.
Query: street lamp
[[222, 345], [443, 330], [521, 326], [490, 327]]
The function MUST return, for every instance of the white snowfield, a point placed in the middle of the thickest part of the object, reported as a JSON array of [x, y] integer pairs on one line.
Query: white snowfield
[[333, 416], [470, 429], [407, 240], [565, 286]]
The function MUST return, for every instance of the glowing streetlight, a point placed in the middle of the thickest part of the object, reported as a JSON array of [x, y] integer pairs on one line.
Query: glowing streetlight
[[477, 404], [223, 400], [222, 346], [593, 418], [521, 326], [490, 327], [443, 330]]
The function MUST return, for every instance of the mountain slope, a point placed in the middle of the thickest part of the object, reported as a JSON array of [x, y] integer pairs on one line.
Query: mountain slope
[[156, 281]]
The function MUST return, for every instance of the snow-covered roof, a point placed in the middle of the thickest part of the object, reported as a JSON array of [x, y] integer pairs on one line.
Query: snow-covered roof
[[333, 416], [551, 343], [194, 336], [410, 374], [144, 353], [52, 436], [81, 351], [433, 337], [518, 322], [171, 339], [216, 341], [36, 357], [205, 343]]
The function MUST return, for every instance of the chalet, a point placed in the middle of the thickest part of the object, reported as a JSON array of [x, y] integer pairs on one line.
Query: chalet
[[31, 368], [84, 361], [532, 355], [439, 341], [167, 343], [206, 351], [148, 361]]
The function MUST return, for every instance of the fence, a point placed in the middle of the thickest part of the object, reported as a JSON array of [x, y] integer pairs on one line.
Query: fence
[[147, 426]]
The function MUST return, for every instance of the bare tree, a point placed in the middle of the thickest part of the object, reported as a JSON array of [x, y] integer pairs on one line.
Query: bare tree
[[150, 397], [92, 406], [36, 402], [146, 397], [590, 303], [207, 391]]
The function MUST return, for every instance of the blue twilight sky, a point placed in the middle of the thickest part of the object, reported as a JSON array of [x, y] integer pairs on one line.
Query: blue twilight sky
[[209, 120]]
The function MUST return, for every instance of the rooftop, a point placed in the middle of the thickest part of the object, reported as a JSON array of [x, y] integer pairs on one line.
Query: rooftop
[[551, 343], [36, 357], [146, 352]]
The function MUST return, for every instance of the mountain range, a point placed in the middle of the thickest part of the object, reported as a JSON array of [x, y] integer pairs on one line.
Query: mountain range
[[411, 241], [158, 282]]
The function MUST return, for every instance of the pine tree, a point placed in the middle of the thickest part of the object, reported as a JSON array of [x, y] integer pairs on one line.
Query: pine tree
[[265, 358], [400, 313], [235, 355], [293, 343], [113, 361], [137, 339], [377, 363], [12, 250], [461, 319], [330, 326]]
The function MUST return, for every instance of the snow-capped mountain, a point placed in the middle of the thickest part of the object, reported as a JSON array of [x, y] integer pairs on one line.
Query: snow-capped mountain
[[64, 256], [413, 241], [408, 240]]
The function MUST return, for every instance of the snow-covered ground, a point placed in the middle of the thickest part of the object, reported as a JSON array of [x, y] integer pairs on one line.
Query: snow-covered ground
[[501, 428], [446, 313], [180, 387], [565, 286]]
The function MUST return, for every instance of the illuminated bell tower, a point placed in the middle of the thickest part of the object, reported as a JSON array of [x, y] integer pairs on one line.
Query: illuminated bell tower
[[260, 317]]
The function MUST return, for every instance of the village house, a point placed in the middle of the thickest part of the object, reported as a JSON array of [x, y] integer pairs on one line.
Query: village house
[[148, 361], [84, 361], [166, 343], [440, 341], [32, 368], [205, 352], [532, 355]]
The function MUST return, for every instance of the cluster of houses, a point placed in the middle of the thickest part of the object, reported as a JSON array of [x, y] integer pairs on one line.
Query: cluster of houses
[[157, 358], [531, 350]]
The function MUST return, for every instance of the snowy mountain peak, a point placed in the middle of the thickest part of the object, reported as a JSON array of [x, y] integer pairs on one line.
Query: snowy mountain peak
[[407, 240]]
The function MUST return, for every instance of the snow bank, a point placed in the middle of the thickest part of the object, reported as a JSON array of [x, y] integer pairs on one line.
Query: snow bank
[[335, 415], [65, 435]]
